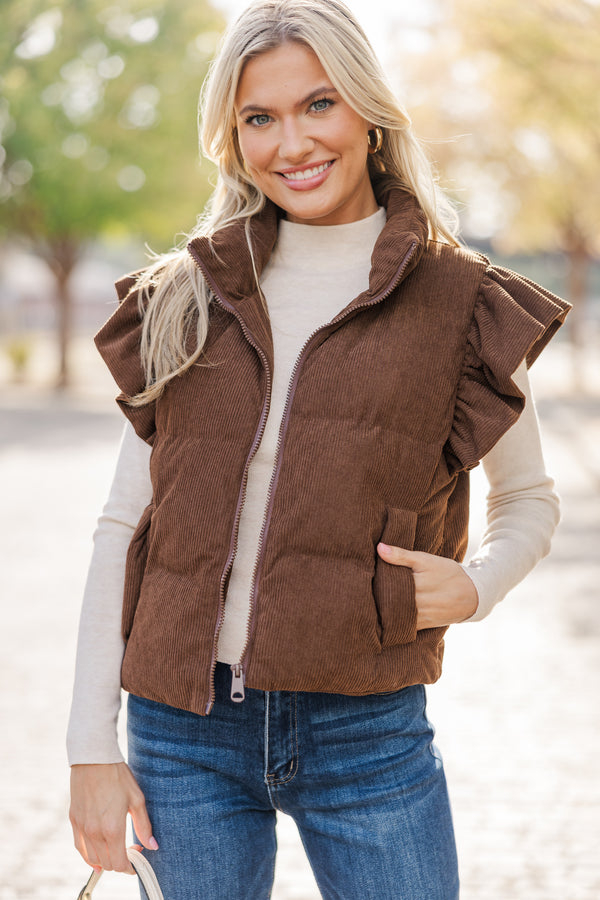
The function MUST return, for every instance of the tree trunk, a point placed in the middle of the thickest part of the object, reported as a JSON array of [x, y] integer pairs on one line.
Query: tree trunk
[[577, 278], [61, 255], [579, 261], [64, 329]]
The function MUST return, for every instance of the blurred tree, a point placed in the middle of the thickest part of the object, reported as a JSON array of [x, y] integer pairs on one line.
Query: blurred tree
[[511, 89], [98, 126]]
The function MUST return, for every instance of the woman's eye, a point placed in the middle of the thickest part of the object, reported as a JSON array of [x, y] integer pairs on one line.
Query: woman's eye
[[259, 119], [320, 105]]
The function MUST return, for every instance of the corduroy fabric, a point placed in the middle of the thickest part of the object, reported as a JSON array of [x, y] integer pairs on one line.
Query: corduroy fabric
[[390, 405]]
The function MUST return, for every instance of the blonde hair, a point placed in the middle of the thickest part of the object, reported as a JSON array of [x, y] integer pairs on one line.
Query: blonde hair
[[173, 295]]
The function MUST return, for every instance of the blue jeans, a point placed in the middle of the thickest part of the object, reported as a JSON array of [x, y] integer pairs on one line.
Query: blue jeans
[[359, 775]]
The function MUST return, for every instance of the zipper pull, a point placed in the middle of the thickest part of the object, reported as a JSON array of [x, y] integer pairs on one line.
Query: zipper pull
[[237, 683]]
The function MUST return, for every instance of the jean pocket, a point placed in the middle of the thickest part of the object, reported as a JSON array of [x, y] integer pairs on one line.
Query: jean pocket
[[394, 586]]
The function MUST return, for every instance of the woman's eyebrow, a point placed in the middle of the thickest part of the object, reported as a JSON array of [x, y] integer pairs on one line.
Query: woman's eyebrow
[[318, 92]]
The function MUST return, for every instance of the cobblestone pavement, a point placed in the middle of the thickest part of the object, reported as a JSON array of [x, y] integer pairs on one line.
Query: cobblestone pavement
[[517, 711]]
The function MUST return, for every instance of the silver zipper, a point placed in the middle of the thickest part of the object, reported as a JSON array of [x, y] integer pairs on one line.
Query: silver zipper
[[238, 674], [283, 428], [237, 683]]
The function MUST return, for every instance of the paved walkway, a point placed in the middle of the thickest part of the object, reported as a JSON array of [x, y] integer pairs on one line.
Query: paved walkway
[[517, 712]]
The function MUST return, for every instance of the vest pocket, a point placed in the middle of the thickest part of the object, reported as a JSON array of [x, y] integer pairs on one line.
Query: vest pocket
[[137, 554], [394, 586]]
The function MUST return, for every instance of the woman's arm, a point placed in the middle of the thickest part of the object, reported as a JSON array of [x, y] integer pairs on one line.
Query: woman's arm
[[103, 790], [522, 509], [92, 732], [522, 514]]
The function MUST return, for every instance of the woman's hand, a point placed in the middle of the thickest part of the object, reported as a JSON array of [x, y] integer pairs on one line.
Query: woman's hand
[[101, 797], [444, 592]]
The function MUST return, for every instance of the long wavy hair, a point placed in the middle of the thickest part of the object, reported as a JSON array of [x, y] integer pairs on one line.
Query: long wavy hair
[[173, 296]]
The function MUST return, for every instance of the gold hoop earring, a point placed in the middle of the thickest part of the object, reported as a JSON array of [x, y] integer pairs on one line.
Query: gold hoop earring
[[375, 147]]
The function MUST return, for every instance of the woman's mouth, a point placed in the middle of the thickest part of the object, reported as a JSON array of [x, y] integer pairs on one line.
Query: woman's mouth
[[308, 178]]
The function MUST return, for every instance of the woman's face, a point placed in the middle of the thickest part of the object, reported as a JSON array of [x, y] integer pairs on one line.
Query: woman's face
[[305, 148]]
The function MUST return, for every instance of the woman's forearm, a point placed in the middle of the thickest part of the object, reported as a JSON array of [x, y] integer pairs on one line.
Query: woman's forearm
[[92, 733], [522, 509]]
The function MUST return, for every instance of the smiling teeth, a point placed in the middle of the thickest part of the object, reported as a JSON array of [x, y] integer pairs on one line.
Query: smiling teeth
[[306, 173]]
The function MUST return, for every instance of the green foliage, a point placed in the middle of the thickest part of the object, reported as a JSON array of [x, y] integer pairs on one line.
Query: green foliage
[[98, 118], [510, 89], [541, 61]]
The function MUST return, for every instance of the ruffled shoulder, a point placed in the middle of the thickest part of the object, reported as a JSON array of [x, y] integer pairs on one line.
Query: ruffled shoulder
[[513, 320], [119, 342]]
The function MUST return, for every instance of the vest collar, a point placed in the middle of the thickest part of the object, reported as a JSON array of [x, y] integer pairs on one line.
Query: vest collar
[[225, 258]]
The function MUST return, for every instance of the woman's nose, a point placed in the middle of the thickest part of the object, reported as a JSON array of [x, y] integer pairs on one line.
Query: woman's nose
[[295, 143]]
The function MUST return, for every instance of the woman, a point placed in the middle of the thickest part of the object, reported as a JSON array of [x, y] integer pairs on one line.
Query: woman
[[307, 385]]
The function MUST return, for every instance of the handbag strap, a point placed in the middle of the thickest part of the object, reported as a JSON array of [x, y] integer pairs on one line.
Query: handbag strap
[[143, 869]]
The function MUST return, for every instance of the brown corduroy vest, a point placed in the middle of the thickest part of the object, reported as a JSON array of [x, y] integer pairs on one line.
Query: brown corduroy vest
[[389, 406]]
